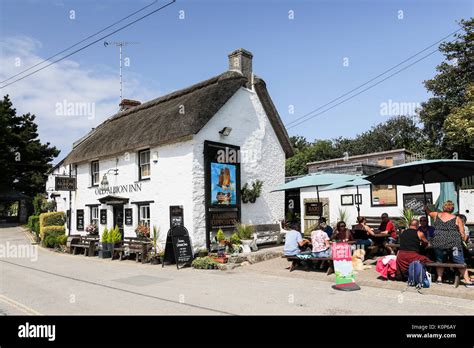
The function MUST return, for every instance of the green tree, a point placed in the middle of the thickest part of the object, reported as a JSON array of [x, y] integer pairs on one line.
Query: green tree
[[23, 158], [450, 97]]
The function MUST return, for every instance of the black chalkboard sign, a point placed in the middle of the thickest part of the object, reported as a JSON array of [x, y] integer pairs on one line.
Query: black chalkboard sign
[[103, 216], [128, 216], [176, 215], [178, 247], [415, 201], [80, 219]]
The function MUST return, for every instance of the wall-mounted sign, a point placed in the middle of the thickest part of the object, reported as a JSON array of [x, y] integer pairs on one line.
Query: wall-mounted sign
[[80, 219], [176, 215], [416, 202], [64, 183], [103, 216], [223, 219], [222, 186], [128, 216], [137, 187], [347, 200], [313, 208]]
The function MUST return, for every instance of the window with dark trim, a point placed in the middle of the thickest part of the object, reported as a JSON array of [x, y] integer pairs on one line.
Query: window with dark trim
[[383, 195], [95, 173], [144, 164]]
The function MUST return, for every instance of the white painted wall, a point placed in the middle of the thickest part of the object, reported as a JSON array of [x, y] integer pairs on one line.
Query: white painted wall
[[262, 158], [178, 176], [466, 204], [366, 209]]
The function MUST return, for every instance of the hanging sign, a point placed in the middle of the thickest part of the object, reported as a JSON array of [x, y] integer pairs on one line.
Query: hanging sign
[[341, 256], [64, 183]]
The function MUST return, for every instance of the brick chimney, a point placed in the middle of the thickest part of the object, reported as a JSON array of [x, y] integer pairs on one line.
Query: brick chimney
[[126, 104], [241, 60]]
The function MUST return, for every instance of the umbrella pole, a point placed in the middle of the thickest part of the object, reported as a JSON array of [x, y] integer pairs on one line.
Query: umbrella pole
[[424, 189], [357, 199], [317, 195]]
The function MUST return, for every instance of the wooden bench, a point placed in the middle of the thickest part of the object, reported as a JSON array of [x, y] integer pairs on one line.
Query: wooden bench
[[89, 244], [296, 261], [134, 245], [268, 234], [457, 276]]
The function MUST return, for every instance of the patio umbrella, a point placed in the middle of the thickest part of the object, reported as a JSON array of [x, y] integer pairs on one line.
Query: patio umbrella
[[359, 181], [447, 192], [423, 172], [316, 180]]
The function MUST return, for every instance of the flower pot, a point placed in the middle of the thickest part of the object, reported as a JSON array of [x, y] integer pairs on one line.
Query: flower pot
[[104, 246], [246, 245], [245, 200], [253, 199]]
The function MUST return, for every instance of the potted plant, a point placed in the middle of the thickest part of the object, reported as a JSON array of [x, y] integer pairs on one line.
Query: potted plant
[[245, 233], [92, 229], [104, 251], [202, 252], [142, 231], [161, 255], [251, 194], [115, 237], [154, 257]]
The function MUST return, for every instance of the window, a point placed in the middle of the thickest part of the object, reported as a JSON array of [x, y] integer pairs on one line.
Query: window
[[144, 164], [383, 195], [144, 215], [95, 173], [386, 162], [95, 216]]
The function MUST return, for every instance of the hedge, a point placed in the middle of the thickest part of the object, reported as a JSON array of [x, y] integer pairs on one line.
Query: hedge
[[52, 235], [33, 224], [51, 219]]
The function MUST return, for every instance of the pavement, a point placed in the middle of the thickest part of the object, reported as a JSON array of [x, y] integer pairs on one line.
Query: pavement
[[49, 283]]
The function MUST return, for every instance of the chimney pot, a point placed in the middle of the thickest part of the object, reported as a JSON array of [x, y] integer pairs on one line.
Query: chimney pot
[[241, 60], [126, 104]]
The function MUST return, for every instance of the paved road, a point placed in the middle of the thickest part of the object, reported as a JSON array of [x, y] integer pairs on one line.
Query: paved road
[[54, 283]]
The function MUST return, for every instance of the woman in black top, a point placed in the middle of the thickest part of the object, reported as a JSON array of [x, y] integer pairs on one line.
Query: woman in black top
[[409, 251]]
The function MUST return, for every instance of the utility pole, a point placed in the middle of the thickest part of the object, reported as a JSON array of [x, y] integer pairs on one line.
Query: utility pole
[[120, 45]]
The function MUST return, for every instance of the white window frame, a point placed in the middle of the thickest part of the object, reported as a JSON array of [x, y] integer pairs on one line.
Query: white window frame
[[143, 164], [95, 180], [94, 217], [144, 214]]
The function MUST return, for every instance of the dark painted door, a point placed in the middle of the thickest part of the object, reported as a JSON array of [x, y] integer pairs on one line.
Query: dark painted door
[[118, 217]]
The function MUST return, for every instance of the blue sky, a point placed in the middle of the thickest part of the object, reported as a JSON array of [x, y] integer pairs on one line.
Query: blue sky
[[301, 59]]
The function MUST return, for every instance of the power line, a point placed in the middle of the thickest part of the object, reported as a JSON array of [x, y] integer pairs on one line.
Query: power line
[[365, 89], [77, 43], [372, 79], [90, 44]]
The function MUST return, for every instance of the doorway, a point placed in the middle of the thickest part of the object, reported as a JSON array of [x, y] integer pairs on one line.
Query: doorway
[[118, 218]]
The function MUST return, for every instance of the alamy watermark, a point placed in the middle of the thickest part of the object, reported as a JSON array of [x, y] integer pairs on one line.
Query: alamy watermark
[[68, 108], [394, 108], [24, 251]]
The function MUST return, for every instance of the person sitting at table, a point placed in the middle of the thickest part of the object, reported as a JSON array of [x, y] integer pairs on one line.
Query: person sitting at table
[[320, 242], [362, 232], [427, 230], [342, 233], [411, 241], [387, 229], [294, 242], [325, 227]]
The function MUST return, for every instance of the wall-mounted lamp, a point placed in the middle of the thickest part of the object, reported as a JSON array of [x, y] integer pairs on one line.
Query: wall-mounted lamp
[[225, 131], [104, 184], [154, 157]]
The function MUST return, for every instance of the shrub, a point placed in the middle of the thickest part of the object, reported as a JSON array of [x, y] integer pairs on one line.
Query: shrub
[[115, 235], [220, 235], [49, 220], [33, 223], [105, 236], [62, 239], [54, 230], [50, 241], [235, 239], [39, 202], [244, 231], [204, 263]]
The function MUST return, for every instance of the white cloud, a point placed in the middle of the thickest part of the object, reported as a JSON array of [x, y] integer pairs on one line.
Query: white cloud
[[82, 89]]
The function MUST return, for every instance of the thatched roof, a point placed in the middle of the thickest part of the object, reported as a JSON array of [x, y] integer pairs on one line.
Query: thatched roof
[[162, 120]]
